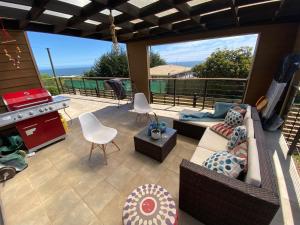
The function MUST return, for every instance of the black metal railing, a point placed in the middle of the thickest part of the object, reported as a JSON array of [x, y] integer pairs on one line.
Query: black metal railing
[[197, 92], [194, 92], [291, 126]]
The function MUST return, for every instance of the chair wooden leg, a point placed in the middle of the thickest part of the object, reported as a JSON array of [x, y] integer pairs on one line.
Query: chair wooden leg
[[104, 148], [114, 143], [92, 148]]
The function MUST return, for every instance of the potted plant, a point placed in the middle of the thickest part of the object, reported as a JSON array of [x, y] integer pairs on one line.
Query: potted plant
[[155, 131]]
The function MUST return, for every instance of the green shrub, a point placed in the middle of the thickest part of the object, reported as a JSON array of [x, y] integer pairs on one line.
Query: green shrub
[[53, 90]]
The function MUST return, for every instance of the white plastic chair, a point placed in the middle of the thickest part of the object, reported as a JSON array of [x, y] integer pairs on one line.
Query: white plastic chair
[[141, 105], [96, 133]]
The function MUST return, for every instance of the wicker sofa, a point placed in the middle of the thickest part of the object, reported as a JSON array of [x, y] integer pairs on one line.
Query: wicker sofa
[[216, 199]]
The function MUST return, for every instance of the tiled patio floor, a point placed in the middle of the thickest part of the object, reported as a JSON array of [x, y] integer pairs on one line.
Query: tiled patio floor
[[61, 186]]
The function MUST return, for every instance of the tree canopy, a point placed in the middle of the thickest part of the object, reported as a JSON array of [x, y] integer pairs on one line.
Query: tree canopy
[[226, 63], [113, 64], [156, 60]]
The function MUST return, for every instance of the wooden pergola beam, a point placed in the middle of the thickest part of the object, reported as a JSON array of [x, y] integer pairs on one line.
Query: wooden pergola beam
[[89, 10], [183, 8], [234, 11], [37, 8]]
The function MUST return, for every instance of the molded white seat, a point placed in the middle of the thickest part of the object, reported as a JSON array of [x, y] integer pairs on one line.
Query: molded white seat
[[94, 131], [141, 104]]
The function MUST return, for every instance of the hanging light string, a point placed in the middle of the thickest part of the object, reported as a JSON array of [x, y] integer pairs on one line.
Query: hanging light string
[[116, 47], [6, 40]]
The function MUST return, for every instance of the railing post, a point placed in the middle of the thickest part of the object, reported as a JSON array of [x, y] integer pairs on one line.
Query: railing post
[[151, 97], [294, 143], [74, 92], [204, 94], [244, 92], [62, 88], [84, 86], [57, 86], [194, 100], [98, 89], [174, 92]]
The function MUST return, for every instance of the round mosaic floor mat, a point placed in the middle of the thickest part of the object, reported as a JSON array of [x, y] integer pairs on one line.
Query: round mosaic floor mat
[[150, 204]]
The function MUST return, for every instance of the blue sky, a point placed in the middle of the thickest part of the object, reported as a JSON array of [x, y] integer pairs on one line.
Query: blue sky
[[69, 51], [200, 50], [66, 51]]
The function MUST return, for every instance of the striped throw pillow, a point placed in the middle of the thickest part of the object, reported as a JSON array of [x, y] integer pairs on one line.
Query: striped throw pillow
[[241, 151], [222, 129]]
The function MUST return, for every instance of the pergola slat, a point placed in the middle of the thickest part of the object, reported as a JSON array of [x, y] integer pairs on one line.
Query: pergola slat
[[70, 19]]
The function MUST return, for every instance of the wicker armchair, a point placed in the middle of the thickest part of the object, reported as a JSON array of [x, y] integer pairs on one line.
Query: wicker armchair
[[216, 199]]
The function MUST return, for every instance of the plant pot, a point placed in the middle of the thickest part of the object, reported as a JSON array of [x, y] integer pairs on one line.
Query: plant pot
[[155, 134]]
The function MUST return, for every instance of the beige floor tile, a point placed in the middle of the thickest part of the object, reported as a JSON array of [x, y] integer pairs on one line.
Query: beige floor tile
[[112, 212], [79, 215], [49, 188], [135, 182], [174, 164], [101, 195], [36, 216], [85, 181], [22, 204], [61, 203], [42, 176], [120, 177], [18, 189], [170, 181]]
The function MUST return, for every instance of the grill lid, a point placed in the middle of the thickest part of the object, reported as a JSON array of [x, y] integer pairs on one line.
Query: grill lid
[[23, 99]]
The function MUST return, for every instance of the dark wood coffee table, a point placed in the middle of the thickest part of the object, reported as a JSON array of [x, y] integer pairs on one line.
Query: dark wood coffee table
[[156, 149]]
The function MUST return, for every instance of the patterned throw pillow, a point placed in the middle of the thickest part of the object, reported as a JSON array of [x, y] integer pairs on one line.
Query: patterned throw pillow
[[238, 136], [240, 110], [241, 151], [233, 118], [225, 163], [222, 129]]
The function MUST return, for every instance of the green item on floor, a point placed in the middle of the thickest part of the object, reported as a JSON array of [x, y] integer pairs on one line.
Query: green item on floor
[[15, 142], [16, 160]]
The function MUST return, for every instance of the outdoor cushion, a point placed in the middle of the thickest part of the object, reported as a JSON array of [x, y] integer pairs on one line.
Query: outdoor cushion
[[249, 127], [225, 163], [212, 141], [204, 123], [240, 110], [253, 174], [248, 113], [238, 136], [241, 151], [222, 129], [200, 155], [234, 118]]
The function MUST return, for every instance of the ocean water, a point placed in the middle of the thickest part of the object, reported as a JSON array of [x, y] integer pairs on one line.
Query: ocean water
[[78, 71], [72, 71]]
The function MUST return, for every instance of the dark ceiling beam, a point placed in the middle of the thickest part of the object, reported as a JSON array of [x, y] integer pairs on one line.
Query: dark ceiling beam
[[183, 8], [129, 12], [146, 12], [234, 10], [277, 13], [37, 8], [89, 10]]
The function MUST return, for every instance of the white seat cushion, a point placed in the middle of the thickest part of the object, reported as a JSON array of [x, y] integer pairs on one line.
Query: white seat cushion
[[248, 113], [213, 141], [253, 175], [249, 127], [200, 155]]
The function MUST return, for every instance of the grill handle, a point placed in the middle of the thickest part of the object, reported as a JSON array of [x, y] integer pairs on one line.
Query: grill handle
[[31, 103]]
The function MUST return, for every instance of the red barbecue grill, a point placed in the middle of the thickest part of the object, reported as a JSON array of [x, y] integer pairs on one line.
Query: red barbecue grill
[[35, 114]]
